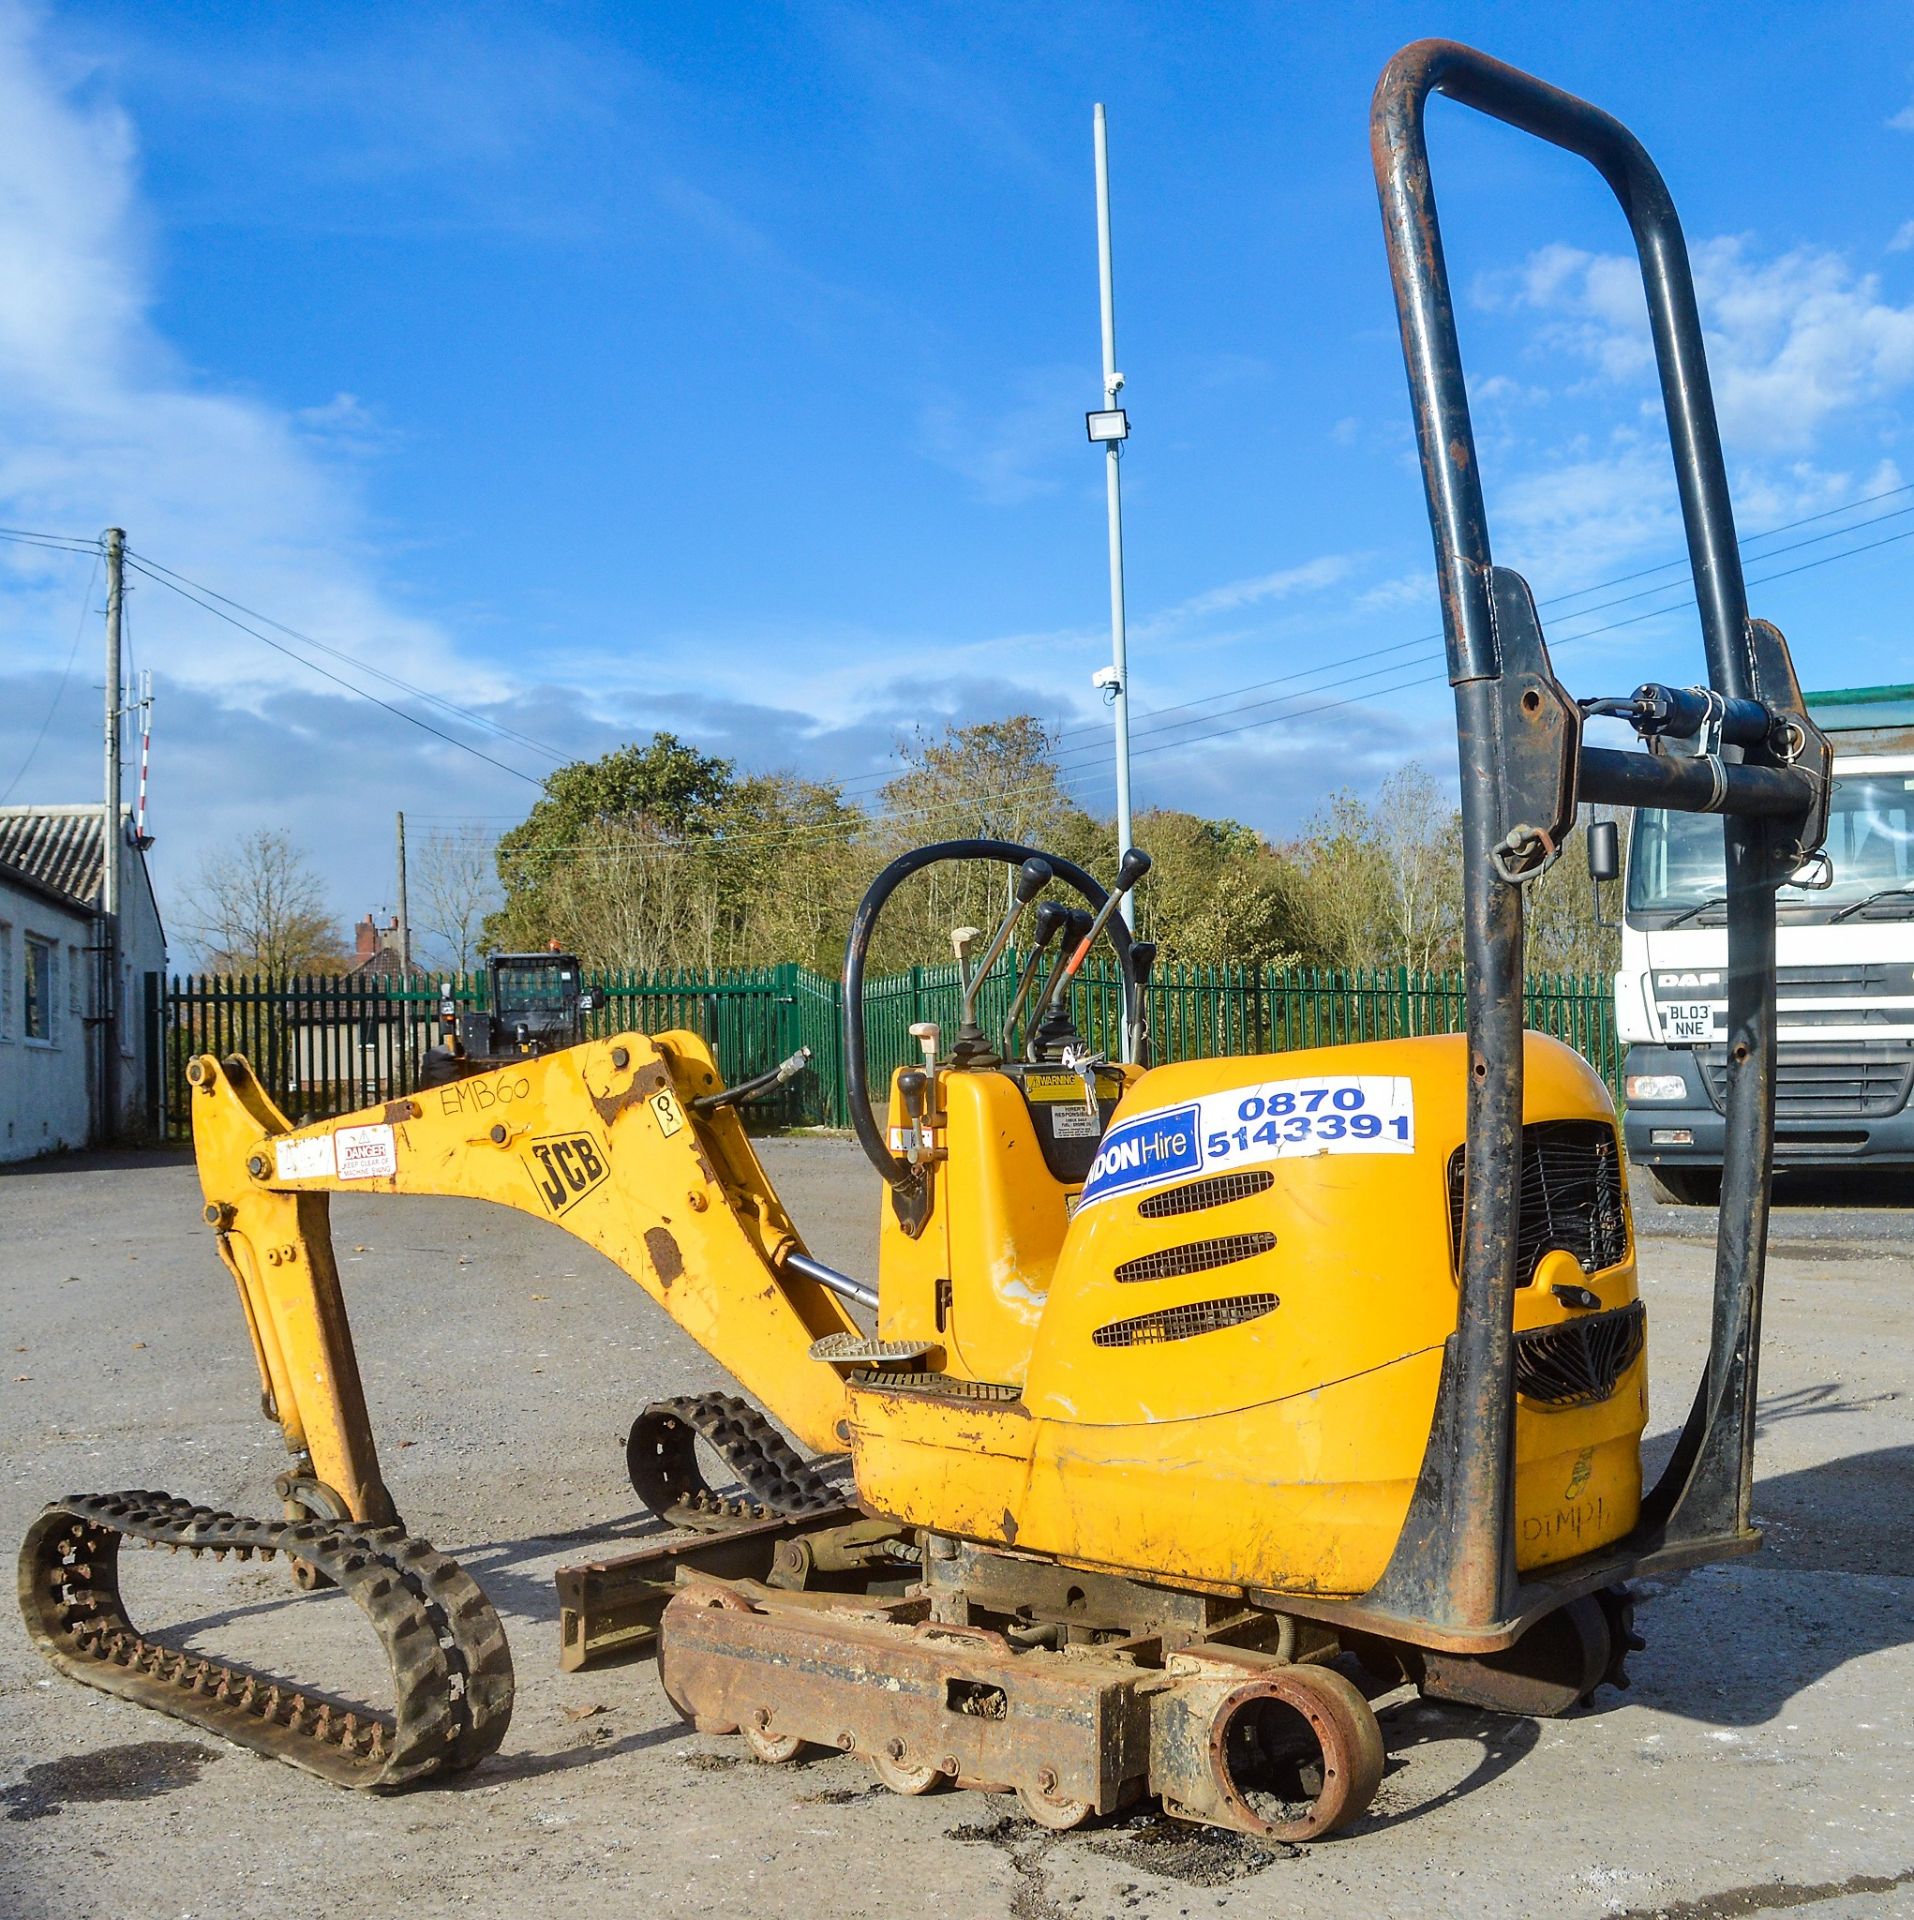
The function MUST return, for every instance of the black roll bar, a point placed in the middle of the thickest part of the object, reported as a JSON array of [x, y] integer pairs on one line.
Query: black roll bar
[[1452, 1579]]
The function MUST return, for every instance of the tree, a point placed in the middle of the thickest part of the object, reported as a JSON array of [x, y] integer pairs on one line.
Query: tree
[[660, 856], [997, 780], [455, 888], [257, 908], [1381, 880], [1217, 893], [636, 795]]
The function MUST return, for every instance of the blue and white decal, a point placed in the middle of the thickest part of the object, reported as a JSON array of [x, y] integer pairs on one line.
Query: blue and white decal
[[1145, 1152], [1251, 1125]]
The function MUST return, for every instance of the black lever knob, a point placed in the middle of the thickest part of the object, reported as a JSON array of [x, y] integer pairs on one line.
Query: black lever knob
[[911, 1084], [1051, 919], [1032, 877], [1133, 866]]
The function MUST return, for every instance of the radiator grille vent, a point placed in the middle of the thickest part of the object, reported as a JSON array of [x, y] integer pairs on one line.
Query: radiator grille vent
[[1579, 1362], [1183, 1323], [1197, 1256], [1217, 1191], [1825, 1083], [1571, 1197]]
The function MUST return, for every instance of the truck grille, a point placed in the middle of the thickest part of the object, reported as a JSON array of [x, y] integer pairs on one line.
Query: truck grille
[[1824, 1083], [1579, 1362], [1571, 1197]]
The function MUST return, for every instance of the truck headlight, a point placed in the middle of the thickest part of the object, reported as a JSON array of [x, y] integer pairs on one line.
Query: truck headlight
[[1656, 1086]]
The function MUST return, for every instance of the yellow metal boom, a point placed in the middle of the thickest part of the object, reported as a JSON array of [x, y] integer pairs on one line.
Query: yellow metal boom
[[601, 1140]]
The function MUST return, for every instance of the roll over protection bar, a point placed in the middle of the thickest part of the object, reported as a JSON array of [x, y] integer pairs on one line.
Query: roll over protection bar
[[1523, 770]]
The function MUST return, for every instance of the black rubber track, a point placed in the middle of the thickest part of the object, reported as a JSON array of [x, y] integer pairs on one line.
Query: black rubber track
[[451, 1669], [661, 1455]]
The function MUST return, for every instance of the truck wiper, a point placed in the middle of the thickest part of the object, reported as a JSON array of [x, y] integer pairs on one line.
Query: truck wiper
[[1700, 907], [1885, 893]]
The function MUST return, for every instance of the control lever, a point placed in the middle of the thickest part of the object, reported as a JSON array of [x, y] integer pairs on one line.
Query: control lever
[[1047, 1025], [962, 939], [1130, 869], [1052, 918], [913, 1086], [1142, 961], [972, 1044]]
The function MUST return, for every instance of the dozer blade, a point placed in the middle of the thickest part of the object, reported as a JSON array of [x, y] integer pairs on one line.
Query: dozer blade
[[451, 1675]]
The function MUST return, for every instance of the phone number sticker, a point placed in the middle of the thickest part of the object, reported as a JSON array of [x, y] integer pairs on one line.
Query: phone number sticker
[[1247, 1126]]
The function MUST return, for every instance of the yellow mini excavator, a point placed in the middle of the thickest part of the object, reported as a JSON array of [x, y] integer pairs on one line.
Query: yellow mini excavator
[[1193, 1404]]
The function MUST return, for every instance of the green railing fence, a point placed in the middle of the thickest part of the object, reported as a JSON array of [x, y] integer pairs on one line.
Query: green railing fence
[[330, 1045]]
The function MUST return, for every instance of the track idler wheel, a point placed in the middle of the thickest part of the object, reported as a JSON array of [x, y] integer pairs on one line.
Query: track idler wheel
[[1281, 1752], [894, 1771]]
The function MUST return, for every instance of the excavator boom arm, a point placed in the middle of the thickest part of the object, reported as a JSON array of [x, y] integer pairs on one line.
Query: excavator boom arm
[[601, 1139]]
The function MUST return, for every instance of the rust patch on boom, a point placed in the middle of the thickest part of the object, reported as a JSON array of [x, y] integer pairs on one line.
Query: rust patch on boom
[[664, 1253]]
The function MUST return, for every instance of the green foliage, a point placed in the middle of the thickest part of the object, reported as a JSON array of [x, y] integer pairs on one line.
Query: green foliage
[[661, 855]]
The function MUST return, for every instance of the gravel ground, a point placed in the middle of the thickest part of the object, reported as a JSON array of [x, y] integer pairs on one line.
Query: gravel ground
[[1761, 1762]]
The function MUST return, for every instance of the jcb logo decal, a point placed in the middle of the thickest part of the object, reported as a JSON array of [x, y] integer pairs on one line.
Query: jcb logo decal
[[564, 1168]]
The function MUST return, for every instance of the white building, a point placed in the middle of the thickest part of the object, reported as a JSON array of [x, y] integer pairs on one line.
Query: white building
[[52, 1033]]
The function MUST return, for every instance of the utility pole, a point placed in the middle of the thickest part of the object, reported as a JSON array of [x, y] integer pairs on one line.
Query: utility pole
[[109, 942], [1110, 427], [405, 916]]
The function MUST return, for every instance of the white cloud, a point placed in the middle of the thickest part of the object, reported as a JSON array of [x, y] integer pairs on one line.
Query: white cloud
[[1903, 238], [101, 423], [1312, 576], [1015, 453], [1903, 122], [1793, 340]]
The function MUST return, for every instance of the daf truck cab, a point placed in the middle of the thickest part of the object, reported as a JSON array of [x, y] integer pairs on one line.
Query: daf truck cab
[[1845, 978]]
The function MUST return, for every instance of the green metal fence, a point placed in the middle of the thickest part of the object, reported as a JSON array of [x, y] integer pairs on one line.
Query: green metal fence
[[329, 1045]]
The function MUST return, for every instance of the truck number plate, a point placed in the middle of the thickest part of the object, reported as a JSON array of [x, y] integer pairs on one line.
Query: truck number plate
[[1687, 1020]]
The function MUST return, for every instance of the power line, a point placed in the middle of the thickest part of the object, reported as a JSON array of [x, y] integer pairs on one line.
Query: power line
[[364, 666], [1555, 600], [411, 719], [1064, 769]]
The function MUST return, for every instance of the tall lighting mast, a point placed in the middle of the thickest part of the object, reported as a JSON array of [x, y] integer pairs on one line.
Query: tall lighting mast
[[1109, 427]]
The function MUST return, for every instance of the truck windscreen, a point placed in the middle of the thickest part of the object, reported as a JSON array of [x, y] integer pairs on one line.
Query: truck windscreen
[[1675, 859]]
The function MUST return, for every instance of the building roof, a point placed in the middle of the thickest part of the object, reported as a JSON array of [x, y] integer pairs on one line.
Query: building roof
[[58, 848]]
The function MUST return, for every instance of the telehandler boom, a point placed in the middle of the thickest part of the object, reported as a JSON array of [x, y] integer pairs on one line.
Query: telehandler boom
[[1199, 1402]]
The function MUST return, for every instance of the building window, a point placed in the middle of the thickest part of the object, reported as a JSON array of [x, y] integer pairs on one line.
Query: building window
[[39, 987], [6, 981]]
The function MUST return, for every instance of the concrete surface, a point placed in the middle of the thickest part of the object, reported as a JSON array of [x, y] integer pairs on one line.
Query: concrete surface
[[1764, 1760]]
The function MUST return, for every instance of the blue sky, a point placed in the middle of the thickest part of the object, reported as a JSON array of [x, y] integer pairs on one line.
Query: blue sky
[[722, 369]]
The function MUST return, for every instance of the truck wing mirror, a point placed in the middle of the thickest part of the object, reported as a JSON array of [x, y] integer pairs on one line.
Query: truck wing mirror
[[1604, 850]]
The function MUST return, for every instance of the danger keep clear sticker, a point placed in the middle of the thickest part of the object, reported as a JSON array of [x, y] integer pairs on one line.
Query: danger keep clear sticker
[[366, 1153], [1250, 1126]]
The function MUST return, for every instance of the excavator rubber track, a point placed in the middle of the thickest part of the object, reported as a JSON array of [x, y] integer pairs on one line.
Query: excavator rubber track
[[661, 1455], [451, 1669]]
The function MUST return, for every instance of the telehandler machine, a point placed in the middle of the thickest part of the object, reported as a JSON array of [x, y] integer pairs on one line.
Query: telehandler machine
[[1194, 1403]]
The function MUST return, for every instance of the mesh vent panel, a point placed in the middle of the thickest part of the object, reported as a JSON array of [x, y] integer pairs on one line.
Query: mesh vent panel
[[1579, 1362], [1217, 1191], [1197, 1256], [1571, 1196], [1183, 1323]]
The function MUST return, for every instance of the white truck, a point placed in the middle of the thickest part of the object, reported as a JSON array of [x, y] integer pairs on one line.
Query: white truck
[[1845, 980]]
